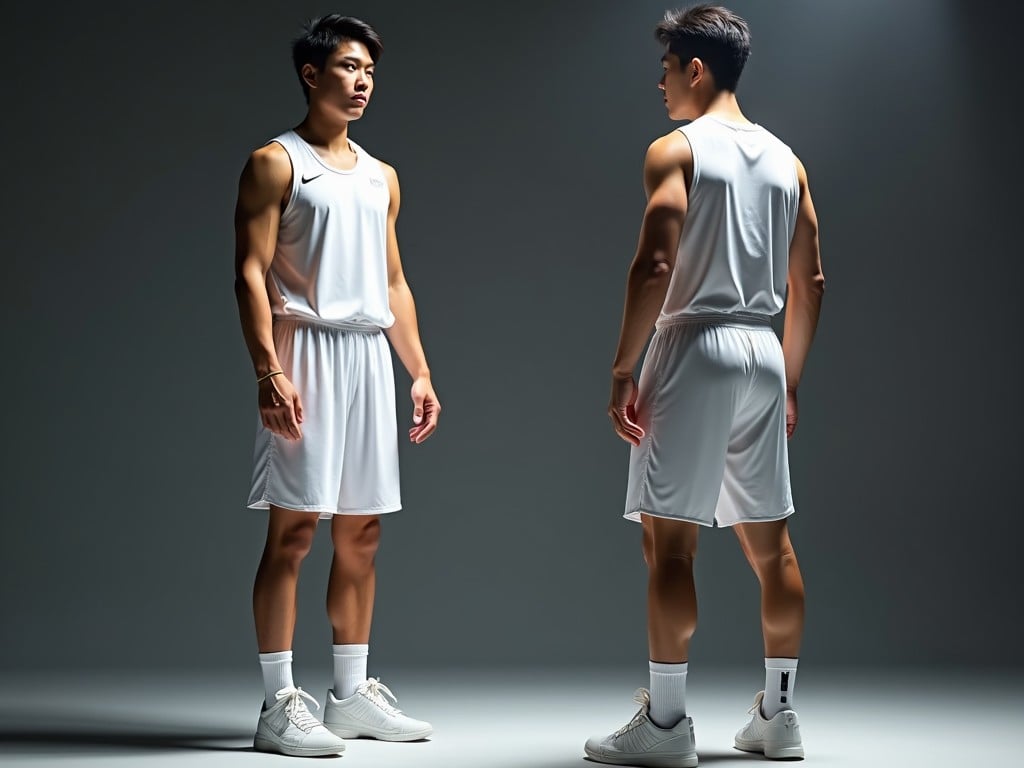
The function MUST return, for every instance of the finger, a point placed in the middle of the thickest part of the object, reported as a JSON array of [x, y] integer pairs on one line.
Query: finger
[[630, 416], [300, 415], [425, 431], [292, 423], [629, 424], [621, 430], [417, 410]]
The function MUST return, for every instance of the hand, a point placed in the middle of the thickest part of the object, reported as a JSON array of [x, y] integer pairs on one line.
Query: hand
[[622, 409], [280, 407], [425, 410], [791, 412]]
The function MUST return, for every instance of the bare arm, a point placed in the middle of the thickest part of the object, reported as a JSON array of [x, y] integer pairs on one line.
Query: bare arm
[[806, 286], [404, 335], [261, 190], [668, 161]]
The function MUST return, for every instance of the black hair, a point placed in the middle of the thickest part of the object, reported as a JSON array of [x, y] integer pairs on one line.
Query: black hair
[[322, 35], [713, 34]]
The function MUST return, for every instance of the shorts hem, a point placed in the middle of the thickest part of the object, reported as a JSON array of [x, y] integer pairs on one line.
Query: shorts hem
[[325, 511], [634, 516], [769, 519]]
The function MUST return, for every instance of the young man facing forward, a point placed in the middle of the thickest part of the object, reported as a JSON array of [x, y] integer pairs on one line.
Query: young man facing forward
[[319, 283], [729, 224]]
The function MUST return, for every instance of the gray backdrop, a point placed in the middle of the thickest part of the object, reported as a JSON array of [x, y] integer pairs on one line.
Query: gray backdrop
[[518, 132]]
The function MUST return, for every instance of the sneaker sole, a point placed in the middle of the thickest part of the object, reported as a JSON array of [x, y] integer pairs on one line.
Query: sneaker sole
[[266, 745], [772, 752], [653, 761], [346, 733]]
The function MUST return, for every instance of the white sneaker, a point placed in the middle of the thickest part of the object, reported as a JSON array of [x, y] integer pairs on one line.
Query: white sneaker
[[368, 713], [641, 742], [289, 728], [778, 738]]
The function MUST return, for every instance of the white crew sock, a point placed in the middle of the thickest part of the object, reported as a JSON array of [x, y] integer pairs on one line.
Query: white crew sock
[[668, 694], [779, 686], [349, 668], [277, 674]]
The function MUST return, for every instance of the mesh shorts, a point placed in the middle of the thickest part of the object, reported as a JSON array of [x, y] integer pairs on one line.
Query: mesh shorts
[[347, 459], [712, 402]]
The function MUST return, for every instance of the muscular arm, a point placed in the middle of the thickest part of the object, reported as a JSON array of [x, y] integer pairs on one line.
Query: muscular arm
[[669, 160], [261, 190], [649, 274], [806, 286], [404, 334]]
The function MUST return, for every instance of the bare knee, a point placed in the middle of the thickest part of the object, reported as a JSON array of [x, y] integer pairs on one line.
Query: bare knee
[[355, 546], [772, 562], [290, 545], [669, 546], [670, 560]]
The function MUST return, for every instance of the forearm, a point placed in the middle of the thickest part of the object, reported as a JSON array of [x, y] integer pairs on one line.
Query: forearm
[[646, 287], [404, 334], [257, 323], [802, 312]]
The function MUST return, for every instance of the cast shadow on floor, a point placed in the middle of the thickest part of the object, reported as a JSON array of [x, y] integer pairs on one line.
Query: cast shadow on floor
[[24, 732], [721, 757]]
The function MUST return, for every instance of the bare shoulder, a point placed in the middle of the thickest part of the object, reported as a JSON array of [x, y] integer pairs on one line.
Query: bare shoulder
[[670, 150], [269, 168], [389, 172]]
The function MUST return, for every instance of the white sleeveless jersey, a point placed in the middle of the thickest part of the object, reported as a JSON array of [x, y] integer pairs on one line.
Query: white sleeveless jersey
[[330, 264], [734, 250]]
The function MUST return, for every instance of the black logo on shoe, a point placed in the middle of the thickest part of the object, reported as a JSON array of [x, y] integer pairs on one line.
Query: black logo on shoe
[[307, 179]]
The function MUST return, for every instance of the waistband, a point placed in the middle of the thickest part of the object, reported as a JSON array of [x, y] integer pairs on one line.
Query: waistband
[[334, 325], [734, 319]]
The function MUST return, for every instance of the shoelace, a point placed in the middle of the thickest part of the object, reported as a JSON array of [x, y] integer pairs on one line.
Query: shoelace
[[643, 698], [296, 709], [375, 691], [757, 705]]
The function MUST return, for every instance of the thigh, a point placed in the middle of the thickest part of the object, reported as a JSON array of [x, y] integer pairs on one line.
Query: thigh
[[370, 478], [692, 380], [756, 485]]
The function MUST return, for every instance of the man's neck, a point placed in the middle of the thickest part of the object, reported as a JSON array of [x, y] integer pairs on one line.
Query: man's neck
[[724, 105], [324, 130]]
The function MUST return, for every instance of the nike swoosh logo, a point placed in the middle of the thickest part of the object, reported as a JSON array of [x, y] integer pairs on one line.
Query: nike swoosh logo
[[307, 179]]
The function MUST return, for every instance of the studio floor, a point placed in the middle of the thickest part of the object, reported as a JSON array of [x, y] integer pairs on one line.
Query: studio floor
[[876, 718]]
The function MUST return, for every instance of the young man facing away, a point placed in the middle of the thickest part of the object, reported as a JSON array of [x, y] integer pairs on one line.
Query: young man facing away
[[319, 283], [729, 223]]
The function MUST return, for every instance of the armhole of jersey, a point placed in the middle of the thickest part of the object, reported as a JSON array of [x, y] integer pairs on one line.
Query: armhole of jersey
[[294, 185], [796, 194], [696, 165]]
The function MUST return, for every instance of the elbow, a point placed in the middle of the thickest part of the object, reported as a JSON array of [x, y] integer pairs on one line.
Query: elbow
[[250, 279], [809, 287], [653, 268], [817, 284], [241, 287]]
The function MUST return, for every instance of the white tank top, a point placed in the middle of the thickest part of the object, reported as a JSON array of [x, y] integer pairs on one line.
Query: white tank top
[[330, 264], [734, 250]]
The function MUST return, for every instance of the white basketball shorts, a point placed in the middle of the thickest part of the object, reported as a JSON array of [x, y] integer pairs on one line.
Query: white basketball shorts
[[347, 459], [712, 403]]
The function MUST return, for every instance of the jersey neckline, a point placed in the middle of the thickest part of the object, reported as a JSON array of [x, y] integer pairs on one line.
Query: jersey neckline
[[730, 124], [327, 166]]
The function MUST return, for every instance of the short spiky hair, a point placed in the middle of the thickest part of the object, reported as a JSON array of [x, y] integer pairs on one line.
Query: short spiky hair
[[321, 36], [716, 35]]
